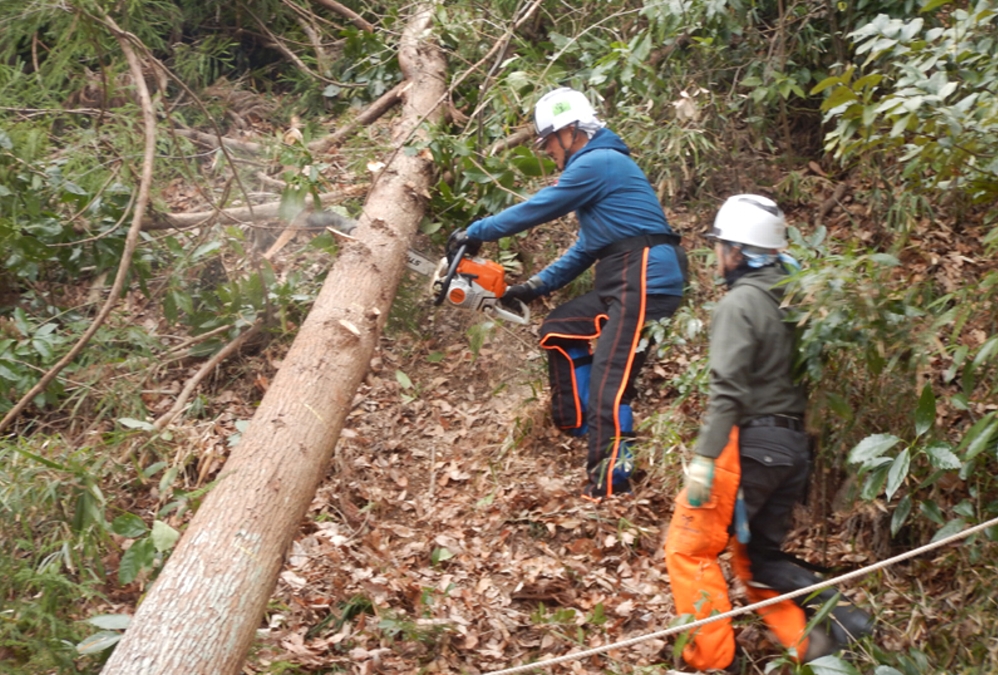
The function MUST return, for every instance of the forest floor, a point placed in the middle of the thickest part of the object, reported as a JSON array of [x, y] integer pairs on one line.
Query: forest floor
[[450, 536]]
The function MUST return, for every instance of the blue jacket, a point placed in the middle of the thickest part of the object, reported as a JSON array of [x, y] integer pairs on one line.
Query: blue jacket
[[613, 200]]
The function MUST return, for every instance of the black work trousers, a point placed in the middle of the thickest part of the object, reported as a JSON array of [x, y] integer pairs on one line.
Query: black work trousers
[[615, 312], [776, 465]]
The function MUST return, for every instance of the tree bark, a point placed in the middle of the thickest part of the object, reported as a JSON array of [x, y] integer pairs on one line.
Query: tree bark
[[201, 614]]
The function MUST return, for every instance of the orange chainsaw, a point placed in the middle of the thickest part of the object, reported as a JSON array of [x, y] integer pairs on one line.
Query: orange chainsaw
[[476, 284], [463, 280]]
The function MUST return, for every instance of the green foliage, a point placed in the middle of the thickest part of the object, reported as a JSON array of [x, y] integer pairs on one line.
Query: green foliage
[[925, 94], [53, 533], [52, 226]]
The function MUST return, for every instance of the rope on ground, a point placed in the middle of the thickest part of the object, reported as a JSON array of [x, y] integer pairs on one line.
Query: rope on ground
[[574, 656]]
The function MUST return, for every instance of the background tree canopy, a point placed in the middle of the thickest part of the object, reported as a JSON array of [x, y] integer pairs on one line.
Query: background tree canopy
[[874, 123]]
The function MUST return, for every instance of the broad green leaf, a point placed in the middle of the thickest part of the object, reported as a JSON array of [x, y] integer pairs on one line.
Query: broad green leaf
[[874, 484], [885, 259], [440, 554], [928, 7], [839, 96], [949, 529], [900, 515], [130, 423], [110, 621], [206, 249], [867, 82], [941, 456], [153, 469], [98, 642], [965, 509], [840, 406], [166, 482], [139, 556], [931, 511], [129, 525], [832, 665], [897, 473], [925, 412], [403, 379], [872, 447], [163, 536], [823, 612], [886, 670], [978, 436], [986, 352]]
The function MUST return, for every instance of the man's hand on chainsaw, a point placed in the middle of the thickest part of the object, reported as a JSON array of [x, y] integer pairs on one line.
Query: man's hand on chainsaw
[[524, 292], [460, 238]]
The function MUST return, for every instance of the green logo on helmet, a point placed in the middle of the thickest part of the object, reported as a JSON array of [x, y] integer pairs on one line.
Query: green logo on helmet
[[560, 107]]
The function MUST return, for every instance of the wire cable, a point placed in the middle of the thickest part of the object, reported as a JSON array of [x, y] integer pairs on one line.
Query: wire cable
[[807, 590]]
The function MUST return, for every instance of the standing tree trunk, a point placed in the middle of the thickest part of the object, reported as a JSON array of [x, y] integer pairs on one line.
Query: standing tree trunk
[[201, 614]]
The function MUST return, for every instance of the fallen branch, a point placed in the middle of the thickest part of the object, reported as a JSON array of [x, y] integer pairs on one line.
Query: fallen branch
[[203, 372], [518, 137], [239, 214], [131, 239], [831, 202], [213, 141], [354, 18], [368, 115]]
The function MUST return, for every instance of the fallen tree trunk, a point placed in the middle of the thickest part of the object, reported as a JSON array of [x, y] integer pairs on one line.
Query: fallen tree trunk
[[201, 614]]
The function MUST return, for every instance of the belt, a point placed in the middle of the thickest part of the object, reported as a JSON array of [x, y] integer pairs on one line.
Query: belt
[[783, 421], [638, 242]]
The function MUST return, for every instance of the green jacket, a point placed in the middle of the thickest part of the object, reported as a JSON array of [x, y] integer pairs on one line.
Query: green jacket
[[751, 359]]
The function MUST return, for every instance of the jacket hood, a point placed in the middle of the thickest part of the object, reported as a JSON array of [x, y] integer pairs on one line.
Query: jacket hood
[[603, 139]]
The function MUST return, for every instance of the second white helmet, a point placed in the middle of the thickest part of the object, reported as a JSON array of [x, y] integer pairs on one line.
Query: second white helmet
[[752, 220], [561, 107]]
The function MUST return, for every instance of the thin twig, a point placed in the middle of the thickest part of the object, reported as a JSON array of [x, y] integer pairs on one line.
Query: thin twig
[[295, 59], [354, 18], [189, 342], [131, 239], [203, 372]]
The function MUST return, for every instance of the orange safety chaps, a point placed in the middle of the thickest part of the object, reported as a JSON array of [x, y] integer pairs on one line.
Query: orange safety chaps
[[697, 536]]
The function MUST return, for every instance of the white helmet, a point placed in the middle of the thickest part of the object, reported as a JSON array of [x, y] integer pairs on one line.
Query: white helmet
[[561, 107], [752, 220]]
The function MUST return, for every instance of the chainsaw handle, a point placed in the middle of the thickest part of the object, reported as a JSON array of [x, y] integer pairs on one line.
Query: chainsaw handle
[[455, 259], [498, 311]]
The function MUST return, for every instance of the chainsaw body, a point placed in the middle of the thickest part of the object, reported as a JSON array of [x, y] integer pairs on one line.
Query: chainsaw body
[[475, 284]]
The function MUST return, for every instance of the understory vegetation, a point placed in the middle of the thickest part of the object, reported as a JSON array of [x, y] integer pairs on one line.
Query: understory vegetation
[[874, 123]]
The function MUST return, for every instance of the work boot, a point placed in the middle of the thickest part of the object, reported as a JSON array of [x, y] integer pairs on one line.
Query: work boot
[[597, 493], [820, 643]]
